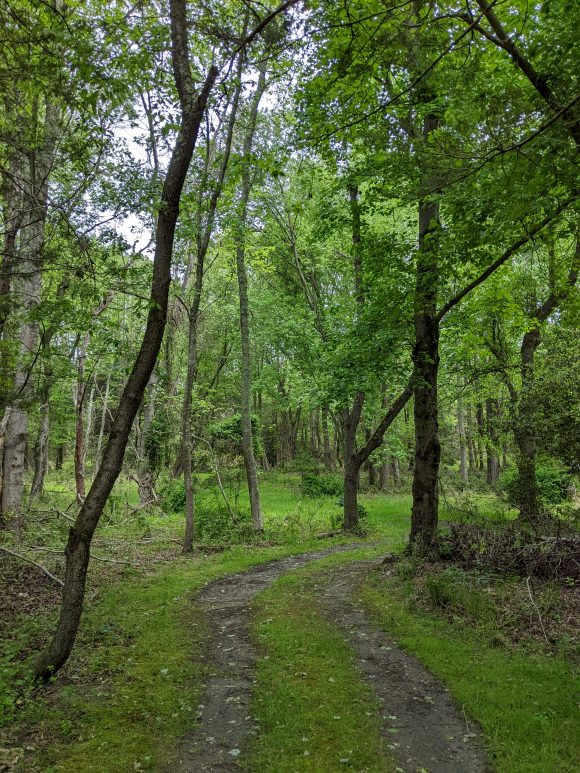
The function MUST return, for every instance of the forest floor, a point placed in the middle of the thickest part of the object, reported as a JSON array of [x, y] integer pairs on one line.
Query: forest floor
[[419, 721], [294, 654]]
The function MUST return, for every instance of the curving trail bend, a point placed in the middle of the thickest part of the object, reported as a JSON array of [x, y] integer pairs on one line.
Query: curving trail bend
[[432, 732]]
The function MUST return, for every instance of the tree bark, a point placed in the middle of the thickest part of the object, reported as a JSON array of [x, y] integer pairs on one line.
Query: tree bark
[[424, 513], [246, 374], [77, 550], [463, 471], [79, 424], [327, 453], [145, 478], [492, 410], [352, 463], [41, 446], [396, 471], [28, 287]]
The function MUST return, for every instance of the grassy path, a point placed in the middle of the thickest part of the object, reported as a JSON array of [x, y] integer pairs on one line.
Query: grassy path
[[335, 693], [133, 691]]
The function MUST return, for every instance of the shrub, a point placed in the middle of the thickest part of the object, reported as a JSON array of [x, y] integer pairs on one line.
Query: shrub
[[213, 520], [226, 435], [321, 485], [553, 483], [337, 519], [172, 495], [453, 589]]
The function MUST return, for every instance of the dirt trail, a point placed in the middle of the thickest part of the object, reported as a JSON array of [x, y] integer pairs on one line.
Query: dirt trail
[[224, 712], [424, 728]]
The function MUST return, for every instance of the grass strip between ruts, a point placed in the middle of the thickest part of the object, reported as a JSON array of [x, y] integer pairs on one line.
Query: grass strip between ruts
[[314, 711]]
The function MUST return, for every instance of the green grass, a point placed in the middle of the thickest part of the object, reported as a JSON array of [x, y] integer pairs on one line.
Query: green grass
[[314, 711], [525, 703], [132, 685], [133, 682]]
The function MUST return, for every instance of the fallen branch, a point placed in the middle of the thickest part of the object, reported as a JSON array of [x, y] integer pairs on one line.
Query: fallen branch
[[96, 558], [34, 563], [537, 608]]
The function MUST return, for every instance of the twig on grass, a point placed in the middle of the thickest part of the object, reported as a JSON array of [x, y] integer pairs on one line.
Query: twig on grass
[[537, 608], [97, 558], [34, 563]]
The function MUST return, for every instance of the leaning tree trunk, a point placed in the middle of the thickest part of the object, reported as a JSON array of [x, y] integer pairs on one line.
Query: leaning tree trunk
[[78, 545], [246, 375], [425, 367]]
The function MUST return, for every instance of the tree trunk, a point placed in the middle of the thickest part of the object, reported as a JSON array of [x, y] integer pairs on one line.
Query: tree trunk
[[528, 504], [470, 443], [326, 440], [41, 446], [352, 463], [145, 479], [246, 375], [28, 288], [79, 424], [352, 416], [351, 476], [104, 413], [491, 408], [425, 366], [90, 417], [462, 444], [78, 545], [12, 221], [203, 240], [480, 435], [384, 476], [396, 471]]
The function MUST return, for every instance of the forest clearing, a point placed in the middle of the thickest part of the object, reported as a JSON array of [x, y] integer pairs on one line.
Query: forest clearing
[[289, 386]]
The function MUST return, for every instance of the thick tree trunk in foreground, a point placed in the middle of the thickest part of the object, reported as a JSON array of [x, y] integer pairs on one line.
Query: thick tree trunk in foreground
[[78, 546], [246, 374], [425, 367]]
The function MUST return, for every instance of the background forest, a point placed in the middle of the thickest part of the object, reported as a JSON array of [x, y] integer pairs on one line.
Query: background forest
[[273, 274]]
